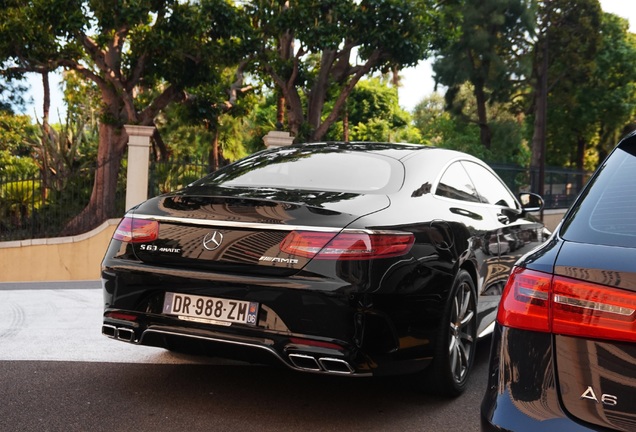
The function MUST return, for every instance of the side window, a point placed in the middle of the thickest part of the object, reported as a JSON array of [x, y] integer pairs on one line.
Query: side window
[[490, 189], [456, 184]]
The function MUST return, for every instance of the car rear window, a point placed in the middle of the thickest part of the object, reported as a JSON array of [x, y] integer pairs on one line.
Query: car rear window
[[294, 168], [606, 213]]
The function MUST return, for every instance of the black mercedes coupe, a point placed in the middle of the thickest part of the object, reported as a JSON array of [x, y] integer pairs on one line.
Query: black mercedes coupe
[[351, 259]]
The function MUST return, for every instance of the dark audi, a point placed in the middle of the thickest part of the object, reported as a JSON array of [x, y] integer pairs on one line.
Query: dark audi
[[564, 348], [351, 259]]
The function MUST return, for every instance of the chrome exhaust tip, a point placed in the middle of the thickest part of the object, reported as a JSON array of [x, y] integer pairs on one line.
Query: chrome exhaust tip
[[109, 330], [335, 366], [126, 335], [305, 362]]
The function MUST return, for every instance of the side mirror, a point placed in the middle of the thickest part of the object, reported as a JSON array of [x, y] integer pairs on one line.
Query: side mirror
[[531, 202]]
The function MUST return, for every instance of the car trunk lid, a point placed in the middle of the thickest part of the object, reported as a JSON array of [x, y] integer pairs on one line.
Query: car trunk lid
[[596, 356], [244, 232]]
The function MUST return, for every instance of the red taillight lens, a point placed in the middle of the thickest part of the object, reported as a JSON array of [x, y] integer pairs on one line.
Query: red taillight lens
[[537, 301], [346, 245], [585, 309], [525, 301], [137, 230]]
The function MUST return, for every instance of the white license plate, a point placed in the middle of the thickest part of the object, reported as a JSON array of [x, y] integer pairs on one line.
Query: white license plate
[[210, 309]]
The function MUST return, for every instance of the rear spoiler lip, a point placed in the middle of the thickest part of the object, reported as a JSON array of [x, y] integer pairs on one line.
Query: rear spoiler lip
[[255, 225]]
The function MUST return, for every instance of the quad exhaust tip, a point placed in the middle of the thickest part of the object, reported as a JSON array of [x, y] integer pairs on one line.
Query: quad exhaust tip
[[119, 333], [322, 364]]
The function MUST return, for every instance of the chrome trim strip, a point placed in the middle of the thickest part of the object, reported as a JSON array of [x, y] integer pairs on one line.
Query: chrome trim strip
[[244, 225], [258, 226]]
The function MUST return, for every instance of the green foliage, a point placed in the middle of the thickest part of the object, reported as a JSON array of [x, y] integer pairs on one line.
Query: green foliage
[[488, 50], [491, 37], [441, 128], [607, 102], [15, 152], [62, 151], [374, 114], [17, 199], [12, 166], [305, 49], [167, 176], [569, 33]]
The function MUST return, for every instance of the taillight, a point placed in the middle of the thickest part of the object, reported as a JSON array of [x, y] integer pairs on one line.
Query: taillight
[[585, 309], [541, 302], [137, 230], [346, 245], [525, 301]]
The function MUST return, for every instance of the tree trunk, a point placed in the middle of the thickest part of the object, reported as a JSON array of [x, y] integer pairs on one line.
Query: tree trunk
[[345, 124], [101, 205], [213, 157], [537, 163], [482, 114], [46, 134], [280, 111]]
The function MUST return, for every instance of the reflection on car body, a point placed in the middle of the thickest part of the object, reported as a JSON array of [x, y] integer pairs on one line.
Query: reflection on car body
[[564, 347]]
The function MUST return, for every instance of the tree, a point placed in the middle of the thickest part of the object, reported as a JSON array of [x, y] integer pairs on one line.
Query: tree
[[306, 48], [488, 51], [566, 43], [442, 128], [213, 109], [15, 151], [373, 113], [64, 150], [140, 54], [608, 100]]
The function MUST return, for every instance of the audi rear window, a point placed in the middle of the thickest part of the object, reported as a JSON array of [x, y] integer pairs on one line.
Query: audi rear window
[[606, 214], [307, 169]]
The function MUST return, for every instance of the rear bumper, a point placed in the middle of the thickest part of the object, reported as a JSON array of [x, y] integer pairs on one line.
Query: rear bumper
[[277, 350], [308, 325], [522, 392]]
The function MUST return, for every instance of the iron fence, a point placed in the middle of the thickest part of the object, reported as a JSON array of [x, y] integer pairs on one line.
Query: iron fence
[[38, 207], [561, 185], [32, 207]]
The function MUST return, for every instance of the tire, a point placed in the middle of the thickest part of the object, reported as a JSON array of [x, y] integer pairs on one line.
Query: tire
[[456, 342]]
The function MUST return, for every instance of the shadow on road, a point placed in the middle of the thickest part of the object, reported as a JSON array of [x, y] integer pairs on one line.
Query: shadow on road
[[79, 396]]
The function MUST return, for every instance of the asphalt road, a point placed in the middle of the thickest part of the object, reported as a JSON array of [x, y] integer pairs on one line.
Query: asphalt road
[[57, 373]]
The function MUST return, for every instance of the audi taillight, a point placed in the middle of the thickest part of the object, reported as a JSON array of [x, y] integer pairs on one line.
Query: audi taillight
[[137, 230], [347, 245], [541, 302]]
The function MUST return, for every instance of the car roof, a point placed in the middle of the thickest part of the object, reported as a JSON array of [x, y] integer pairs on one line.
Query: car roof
[[398, 151]]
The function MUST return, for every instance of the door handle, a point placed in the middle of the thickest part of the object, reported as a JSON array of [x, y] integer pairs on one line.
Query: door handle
[[503, 218]]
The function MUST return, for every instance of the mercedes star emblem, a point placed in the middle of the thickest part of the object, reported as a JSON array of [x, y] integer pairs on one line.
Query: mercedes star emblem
[[212, 240]]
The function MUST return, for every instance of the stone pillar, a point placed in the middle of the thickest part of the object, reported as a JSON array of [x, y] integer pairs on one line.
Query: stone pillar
[[138, 160], [275, 139]]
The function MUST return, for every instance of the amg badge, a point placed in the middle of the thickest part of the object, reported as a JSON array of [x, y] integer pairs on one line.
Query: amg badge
[[278, 260]]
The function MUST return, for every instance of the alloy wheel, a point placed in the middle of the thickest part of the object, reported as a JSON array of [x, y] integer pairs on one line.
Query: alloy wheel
[[461, 340]]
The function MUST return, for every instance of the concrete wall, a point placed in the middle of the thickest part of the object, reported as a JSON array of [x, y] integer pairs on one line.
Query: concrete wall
[[56, 259], [79, 257]]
